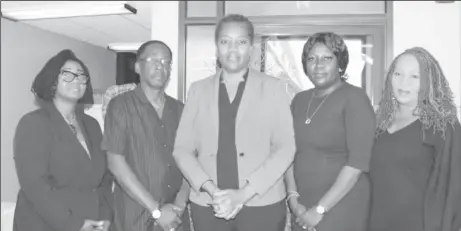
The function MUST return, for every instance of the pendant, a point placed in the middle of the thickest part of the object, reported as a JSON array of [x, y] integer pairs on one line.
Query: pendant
[[73, 128], [308, 121]]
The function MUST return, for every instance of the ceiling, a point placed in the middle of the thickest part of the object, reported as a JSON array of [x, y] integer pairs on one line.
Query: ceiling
[[96, 30]]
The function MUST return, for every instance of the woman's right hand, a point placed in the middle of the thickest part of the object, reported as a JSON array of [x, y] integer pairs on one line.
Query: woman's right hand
[[296, 208], [91, 225]]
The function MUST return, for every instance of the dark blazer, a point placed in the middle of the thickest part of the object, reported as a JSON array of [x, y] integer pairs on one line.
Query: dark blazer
[[60, 186], [442, 204]]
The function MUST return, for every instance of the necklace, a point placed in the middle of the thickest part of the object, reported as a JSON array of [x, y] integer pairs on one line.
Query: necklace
[[72, 125], [308, 119]]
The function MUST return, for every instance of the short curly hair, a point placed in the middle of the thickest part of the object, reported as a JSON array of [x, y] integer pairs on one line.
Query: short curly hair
[[144, 46], [335, 43], [44, 85]]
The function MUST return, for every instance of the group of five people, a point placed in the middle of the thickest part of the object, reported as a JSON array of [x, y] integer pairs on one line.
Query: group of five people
[[240, 152]]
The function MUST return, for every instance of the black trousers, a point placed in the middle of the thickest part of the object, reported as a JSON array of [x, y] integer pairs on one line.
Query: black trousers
[[260, 218]]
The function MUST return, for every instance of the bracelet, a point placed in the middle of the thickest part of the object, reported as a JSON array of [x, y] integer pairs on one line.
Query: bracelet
[[292, 194], [201, 186]]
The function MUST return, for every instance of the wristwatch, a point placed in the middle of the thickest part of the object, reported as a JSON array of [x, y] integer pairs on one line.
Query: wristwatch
[[156, 214], [320, 209]]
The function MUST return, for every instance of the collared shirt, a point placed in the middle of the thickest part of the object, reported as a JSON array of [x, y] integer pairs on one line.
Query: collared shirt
[[134, 129]]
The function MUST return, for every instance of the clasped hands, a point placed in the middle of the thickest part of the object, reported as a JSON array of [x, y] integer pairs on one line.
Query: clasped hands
[[170, 218], [306, 218], [227, 203], [93, 225]]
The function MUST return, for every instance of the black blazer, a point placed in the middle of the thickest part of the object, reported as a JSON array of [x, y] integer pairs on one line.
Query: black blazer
[[60, 186]]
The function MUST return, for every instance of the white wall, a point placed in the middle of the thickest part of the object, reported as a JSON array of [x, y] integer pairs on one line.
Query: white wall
[[24, 51], [437, 28], [163, 12]]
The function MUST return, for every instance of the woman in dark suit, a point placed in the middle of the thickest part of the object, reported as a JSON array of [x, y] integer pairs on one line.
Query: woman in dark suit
[[65, 185]]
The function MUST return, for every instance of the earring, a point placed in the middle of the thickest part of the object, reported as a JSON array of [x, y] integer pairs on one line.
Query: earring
[[394, 102], [53, 90]]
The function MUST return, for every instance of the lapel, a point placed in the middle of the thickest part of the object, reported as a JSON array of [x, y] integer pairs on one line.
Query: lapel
[[214, 104], [66, 133], [249, 97]]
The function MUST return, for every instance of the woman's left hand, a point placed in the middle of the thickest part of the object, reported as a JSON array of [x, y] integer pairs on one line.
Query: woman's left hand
[[309, 219], [105, 226]]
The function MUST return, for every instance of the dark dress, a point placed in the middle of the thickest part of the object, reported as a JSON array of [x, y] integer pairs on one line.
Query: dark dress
[[400, 168], [60, 185], [340, 134]]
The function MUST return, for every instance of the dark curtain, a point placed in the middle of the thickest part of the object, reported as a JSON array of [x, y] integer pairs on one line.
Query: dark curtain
[[125, 68]]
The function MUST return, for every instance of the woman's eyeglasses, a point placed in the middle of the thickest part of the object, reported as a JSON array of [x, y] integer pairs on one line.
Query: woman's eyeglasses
[[69, 77]]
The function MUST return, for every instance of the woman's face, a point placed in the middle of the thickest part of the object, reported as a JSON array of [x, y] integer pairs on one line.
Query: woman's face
[[72, 81], [406, 80], [322, 66], [234, 47]]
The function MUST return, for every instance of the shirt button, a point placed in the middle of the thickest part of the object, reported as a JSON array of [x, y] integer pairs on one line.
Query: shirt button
[[169, 165], [169, 186], [164, 145], [241, 154]]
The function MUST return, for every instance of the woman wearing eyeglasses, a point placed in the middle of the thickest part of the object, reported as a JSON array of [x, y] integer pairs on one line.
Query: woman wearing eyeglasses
[[64, 182]]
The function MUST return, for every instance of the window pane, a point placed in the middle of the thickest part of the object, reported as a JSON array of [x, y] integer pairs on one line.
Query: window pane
[[278, 56], [201, 9], [281, 57], [267, 8], [200, 53]]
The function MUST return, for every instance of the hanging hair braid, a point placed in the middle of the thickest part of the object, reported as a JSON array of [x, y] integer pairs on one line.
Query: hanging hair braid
[[435, 99]]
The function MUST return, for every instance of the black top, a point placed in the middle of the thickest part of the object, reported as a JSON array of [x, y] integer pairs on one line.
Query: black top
[[416, 179], [226, 159], [340, 134]]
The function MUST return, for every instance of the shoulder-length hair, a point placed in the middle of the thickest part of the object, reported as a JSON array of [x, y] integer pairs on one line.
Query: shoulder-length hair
[[44, 85]]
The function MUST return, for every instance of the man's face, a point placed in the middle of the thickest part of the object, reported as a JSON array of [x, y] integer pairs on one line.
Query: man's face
[[154, 66]]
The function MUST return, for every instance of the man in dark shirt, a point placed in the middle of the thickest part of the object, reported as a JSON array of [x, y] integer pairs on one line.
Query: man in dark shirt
[[139, 132]]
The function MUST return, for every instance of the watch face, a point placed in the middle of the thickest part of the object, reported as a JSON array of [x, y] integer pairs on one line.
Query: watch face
[[320, 209], [156, 214]]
